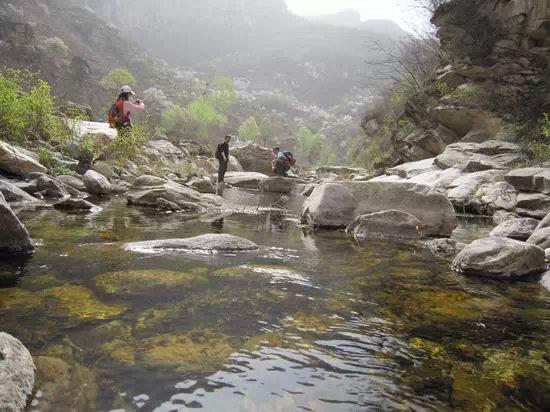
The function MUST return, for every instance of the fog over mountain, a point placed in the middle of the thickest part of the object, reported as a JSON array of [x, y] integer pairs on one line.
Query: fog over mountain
[[257, 40]]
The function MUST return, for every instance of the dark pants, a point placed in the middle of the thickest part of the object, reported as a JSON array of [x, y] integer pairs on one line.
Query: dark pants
[[221, 170], [282, 169]]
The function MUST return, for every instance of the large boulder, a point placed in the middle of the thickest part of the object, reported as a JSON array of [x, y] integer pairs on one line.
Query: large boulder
[[519, 229], [245, 180], [445, 248], [146, 190], [330, 205], [14, 238], [437, 179], [17, 161], [495, 196], [337, 204], [475, 157], [76, 205], [390, 223], [541, 238], [254, 158], [16, 374], [500, 258], [462, 191], [279, 184], [207, 242], [100, 133], [96, 184], [206, 164], [530, 179]]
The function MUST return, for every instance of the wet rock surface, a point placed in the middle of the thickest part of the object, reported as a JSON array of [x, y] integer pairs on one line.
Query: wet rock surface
[[519, 229], [96, 184], [14, 238]]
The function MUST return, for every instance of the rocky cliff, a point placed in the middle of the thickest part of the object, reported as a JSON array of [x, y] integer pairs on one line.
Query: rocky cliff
[[494, 85]]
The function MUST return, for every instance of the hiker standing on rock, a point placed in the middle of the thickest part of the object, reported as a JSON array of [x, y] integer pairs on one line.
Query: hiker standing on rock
[[222, 154], [120, 113]]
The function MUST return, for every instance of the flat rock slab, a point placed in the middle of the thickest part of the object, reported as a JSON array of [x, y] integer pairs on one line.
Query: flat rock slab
[[541, 238], [530, 179], [16, 374], [279, 184], [208, 243], [500, 258], [76, 205], [245, 180], [474, 157]]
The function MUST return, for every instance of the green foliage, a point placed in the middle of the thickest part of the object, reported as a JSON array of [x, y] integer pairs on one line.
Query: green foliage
[[443, 88], [328, 156], [74, 113], [310, 145], [129, 143], [249, 130], [118, 78], [370, 155], [27, 108], [46, 158]]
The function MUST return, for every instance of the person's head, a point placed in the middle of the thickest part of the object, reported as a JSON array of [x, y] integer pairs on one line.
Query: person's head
[[227, 139], [276, 149], [125, 92]]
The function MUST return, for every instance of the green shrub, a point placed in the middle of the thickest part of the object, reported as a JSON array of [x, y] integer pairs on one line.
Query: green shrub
[[129, 143], [443, 88], [46, 158], [27, 108], [118, 78]]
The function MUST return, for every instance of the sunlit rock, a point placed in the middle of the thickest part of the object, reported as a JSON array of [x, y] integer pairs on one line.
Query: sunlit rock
[[519, 229], [207, 242], [15, 161]]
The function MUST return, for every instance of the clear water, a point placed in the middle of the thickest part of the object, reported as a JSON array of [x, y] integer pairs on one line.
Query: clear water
[[311, 322]]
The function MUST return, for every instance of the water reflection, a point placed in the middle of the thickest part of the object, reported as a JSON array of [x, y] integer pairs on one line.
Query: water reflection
[[313, 321]]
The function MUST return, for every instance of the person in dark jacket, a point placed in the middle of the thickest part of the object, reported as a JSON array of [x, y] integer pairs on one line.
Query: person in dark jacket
[[222, 154]]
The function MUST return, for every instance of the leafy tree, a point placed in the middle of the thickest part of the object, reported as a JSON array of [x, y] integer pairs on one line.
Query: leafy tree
[[118, 78], [223, 95], [310, 145], [249, 130]]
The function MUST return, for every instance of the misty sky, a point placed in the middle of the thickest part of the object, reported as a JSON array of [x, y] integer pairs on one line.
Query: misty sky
[[400, 11]]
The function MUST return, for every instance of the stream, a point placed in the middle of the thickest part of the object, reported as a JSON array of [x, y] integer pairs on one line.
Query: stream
[[311, 322]]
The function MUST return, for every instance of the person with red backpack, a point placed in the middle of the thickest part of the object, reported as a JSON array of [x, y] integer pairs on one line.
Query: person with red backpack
[[120, 113], [282, 161]]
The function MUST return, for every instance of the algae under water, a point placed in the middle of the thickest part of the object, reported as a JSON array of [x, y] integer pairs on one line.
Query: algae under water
[[311, 322]]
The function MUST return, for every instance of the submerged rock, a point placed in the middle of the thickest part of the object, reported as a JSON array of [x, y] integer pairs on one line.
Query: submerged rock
[[519, 229], [386, 224], [15, 161], [135, 281], [208, 242], [16, 374], [500, 258], [446, 248], [78, 205], [96, 184], [14, 238]]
